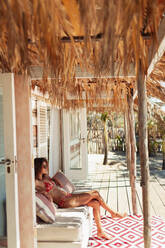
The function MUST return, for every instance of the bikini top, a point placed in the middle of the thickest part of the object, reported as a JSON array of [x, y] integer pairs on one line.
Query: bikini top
[[49, 185]]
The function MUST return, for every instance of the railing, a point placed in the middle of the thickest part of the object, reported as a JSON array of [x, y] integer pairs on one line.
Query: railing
[[96, 146]]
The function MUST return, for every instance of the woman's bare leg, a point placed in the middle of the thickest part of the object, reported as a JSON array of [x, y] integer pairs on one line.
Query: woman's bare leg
[[96, 213], [77, 200], [98, 197], [81, 199]]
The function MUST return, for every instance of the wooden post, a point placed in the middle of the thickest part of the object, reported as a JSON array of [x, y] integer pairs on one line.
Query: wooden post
[[132, 142], [26, 187], [105, 143], [143, 148], [163, 151], [128, 147]]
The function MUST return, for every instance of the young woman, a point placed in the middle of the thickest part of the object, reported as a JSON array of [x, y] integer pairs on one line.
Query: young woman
[[63, 199]]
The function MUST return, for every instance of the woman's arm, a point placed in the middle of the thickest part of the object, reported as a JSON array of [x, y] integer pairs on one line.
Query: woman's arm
[[48, 196], [40, 188]]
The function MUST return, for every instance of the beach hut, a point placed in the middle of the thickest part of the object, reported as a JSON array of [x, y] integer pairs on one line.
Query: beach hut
[[80, 55]]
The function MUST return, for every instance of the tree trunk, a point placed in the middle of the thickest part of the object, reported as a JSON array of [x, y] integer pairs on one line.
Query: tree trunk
[[143, 148], [128, 147], [132, 170], [105, 144], [163, 165], [163, 151]]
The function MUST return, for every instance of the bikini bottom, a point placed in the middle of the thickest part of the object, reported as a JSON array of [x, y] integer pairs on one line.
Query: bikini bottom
[[61, 203]]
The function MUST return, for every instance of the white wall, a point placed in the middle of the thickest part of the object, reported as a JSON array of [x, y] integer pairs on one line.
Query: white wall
[[55, 147]]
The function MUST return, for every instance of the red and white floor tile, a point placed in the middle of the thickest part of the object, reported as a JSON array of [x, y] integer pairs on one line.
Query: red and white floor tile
[[128, 232]]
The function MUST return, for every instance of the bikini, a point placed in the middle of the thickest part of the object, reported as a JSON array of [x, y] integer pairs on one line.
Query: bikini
[[61, 203], [49, 186]]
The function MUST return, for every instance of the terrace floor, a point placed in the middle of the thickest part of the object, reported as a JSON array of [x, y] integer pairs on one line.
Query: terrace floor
[[112, 181]]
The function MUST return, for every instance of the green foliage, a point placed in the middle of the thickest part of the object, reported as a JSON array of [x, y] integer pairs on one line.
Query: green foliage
[[152, 128], [156, 128], [153, 147], [161, 126], [152, 133], [120, 139], [104, 116]]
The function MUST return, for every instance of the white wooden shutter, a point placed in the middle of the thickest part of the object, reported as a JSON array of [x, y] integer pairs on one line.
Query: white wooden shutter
[[42, 129]]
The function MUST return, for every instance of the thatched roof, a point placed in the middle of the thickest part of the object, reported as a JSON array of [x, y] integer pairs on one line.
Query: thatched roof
[[91, 93], [155, 88], [103, 38]]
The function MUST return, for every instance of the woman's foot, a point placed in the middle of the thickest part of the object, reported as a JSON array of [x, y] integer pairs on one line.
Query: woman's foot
[[117, 215], [104, 235]]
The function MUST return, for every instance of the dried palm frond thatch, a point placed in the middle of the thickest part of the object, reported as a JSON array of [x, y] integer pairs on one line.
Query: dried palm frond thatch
[[128, 27], [158, 73], [113, 35], [154, 87], [31, 34], [94, 94]]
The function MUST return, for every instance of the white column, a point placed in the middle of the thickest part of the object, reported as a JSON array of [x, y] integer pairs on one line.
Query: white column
[[55, 143], [25, 168]]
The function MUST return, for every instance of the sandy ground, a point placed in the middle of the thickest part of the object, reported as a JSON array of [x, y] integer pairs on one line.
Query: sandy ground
[[114, 158]]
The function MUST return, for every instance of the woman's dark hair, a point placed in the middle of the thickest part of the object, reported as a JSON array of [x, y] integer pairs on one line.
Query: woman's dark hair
[[38, 165]]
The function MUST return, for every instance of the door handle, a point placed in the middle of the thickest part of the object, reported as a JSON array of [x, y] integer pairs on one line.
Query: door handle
[[5, 162]]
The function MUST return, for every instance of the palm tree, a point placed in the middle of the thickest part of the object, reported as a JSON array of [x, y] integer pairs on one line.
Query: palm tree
[[161, 128], [152, 131], [163, 151], [104, 118]]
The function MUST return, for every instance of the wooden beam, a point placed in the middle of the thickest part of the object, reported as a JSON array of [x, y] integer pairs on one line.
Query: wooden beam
[[97, 37], [36, 73], [81, 38], [157, 57], [143, 148], [157, 51]]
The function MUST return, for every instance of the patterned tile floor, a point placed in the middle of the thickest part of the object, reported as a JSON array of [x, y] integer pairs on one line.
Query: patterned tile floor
[[128, 233]]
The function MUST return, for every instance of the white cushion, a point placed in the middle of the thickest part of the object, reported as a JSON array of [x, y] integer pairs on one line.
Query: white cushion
[[61, 245], [66, 229], [71, 229], [84, 210]]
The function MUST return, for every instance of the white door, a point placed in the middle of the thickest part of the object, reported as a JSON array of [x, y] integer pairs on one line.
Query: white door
[[2, 175], [75, 144], [8, 154]]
